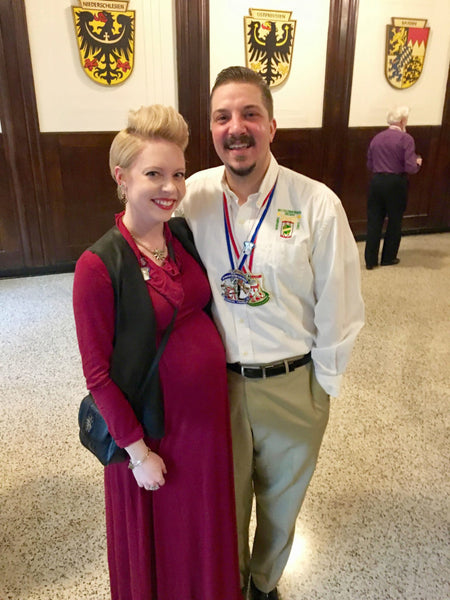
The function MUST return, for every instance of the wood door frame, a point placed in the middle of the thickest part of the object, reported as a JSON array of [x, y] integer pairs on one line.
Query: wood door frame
[[20, 129]]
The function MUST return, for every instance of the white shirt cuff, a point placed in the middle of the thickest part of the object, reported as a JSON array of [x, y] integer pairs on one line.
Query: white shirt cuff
[[330, 383]]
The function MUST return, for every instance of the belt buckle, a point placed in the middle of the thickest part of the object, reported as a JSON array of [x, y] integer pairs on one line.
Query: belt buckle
[[243, 367]]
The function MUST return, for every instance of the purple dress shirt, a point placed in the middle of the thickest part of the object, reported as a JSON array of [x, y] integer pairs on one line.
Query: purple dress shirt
[[392, 151]]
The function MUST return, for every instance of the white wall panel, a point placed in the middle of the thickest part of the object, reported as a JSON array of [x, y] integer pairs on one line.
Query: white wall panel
[[67, 99], [372, 95], [299, 100]]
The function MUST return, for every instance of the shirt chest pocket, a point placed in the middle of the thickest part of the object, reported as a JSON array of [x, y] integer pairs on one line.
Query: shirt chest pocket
[[285, 262]]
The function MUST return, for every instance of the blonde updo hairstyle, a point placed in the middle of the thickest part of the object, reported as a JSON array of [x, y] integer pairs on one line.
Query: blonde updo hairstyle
[[155, 122]]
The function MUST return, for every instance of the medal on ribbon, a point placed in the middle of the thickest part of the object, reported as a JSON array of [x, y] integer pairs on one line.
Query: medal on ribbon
[[235, 287], [258, 295], [239, 285]]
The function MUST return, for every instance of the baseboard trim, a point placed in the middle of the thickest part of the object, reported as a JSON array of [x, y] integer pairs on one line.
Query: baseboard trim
[[35, 271]]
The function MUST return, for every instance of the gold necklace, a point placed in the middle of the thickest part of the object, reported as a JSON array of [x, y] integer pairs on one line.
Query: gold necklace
[[159, 254]]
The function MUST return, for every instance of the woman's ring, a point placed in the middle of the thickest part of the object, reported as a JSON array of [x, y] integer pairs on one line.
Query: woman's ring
[[153, 488]]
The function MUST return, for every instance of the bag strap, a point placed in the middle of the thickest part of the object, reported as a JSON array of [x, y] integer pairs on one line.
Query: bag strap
[[164, 338], [160, 350]]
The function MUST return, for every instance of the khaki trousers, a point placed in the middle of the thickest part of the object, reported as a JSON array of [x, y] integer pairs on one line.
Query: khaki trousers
[[277, 428]]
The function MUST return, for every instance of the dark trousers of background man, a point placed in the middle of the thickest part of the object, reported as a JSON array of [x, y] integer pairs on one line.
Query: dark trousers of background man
[[388, 194]]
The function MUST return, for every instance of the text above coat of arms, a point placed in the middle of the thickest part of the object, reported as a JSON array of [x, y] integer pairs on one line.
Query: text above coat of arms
[[269, 43], [406, 44], [105, 36]]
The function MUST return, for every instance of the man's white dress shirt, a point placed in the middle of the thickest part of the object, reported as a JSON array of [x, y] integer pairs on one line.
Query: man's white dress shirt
[[308, 259]]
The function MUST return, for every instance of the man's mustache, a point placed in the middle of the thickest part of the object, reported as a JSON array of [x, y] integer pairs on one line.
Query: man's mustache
[[246, 139]]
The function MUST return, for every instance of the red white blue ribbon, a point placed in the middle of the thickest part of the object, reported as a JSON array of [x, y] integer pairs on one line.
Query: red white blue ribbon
[[249, 245]]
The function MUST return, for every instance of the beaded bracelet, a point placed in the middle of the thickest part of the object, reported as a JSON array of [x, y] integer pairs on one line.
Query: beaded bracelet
[[132, 465]]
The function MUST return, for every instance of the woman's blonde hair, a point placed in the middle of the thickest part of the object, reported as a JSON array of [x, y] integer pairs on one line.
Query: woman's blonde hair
[[155, 122]]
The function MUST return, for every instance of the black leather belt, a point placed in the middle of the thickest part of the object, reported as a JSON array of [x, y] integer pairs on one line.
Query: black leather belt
[[277, 368]]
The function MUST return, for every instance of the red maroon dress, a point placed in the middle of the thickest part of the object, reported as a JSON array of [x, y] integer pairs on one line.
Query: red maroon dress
[[178, 543]]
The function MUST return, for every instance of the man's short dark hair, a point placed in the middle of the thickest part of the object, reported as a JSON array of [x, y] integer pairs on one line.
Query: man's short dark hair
[[244, 75]]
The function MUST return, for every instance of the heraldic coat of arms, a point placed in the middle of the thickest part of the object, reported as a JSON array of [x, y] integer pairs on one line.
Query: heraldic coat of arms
[[406, 44], [105, 36], [269, 41]]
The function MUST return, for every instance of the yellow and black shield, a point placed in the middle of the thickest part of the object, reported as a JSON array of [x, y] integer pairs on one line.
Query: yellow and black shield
[[406, 44], [105, 36], [269, 42]]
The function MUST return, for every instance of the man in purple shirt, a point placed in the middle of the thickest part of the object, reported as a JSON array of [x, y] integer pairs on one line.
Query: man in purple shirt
[[391, 157]]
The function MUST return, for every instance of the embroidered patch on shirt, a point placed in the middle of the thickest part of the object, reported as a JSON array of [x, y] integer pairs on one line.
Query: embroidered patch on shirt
[[287, 222]]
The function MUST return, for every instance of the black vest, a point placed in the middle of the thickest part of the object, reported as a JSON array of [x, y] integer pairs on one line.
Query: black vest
[[135, 324]]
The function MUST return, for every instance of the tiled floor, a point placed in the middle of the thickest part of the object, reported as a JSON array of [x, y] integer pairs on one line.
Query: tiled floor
[[375, 523]]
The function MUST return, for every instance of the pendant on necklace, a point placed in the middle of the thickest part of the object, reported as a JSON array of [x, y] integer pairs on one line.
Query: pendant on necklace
[[159, 254]]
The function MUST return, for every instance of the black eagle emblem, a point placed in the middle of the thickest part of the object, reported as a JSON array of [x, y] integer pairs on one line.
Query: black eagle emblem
[[273, 50], [107, 50]]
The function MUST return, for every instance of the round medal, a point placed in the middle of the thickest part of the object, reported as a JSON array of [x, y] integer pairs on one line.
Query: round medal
[[235, 287]]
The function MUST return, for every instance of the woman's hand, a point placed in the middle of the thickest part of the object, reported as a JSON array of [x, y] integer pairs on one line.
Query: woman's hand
[[148, 467], [149, 474]]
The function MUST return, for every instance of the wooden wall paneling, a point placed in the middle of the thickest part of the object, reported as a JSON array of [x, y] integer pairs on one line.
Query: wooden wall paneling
[[21, 134], [89, 191], [300, 150], [192, 24], [355, 177], [11, 247], [83, 193], [440, 184], [418, 214], [338, 85], [11, 250], [56, 214]]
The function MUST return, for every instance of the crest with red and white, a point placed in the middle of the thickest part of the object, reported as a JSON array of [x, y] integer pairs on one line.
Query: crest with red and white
[[406, 43]]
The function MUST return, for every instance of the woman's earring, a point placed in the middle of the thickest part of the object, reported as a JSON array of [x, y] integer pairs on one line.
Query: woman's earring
[[122, 193]]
